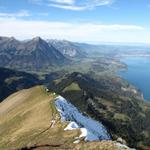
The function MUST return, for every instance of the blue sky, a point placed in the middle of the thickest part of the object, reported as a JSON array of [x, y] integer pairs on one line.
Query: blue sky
[[77, 20]]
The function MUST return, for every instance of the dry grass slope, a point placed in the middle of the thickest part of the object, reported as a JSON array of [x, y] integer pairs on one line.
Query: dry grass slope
[[26, 121]]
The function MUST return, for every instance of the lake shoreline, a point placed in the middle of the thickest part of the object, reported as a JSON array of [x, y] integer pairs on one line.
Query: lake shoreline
[[127, 73]]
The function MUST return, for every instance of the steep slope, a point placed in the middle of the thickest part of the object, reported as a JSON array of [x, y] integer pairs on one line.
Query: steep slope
[[8, 47], [112, 101], [91, 129], [29, 120], [12, 81], [67, 48], [31, 55]]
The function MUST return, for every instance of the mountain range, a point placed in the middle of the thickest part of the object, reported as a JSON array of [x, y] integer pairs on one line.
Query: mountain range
[[35, 54], [42, 55]]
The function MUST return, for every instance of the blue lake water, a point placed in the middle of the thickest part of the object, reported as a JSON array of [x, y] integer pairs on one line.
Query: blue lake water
[[138, 74]]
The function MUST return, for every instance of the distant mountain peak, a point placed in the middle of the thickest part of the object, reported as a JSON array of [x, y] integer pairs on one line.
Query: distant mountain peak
[[37, 39], [12, 38], [67, 48], [35, 53], [7, 38], [11, 41]]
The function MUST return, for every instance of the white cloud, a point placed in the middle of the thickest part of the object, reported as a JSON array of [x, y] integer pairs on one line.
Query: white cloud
[[68, 7], [81, 32], [69, 2], [22, 13], [74, 4]]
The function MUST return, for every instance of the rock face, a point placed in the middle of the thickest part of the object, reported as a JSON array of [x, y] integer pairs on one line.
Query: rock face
[[34, 54], [67, 48], [124, 113]]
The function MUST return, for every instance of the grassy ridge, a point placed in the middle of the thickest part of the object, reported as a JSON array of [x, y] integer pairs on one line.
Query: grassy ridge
[[28, 113], [26, 122]]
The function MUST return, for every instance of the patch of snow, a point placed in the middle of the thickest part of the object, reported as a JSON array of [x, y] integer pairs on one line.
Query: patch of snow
[[124, 89], [76, 138], [90, 129], [134, 91], [129, 90], [89, 136], [84, 132], [71, 126], [53, 123], [76, 142], [120, 140], [119, 145], [47, 90]]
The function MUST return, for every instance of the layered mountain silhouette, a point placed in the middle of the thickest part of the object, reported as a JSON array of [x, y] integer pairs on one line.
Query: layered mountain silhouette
[[35, 54]]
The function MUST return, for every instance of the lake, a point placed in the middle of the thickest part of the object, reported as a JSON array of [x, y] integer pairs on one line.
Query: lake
[[138, 74]]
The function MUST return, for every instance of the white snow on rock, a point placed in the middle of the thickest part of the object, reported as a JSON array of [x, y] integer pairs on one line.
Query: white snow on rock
[[76, 142], [122, 146], [53, 123], [71, 126], [91, 130]]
